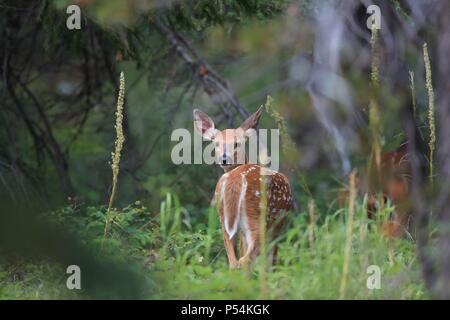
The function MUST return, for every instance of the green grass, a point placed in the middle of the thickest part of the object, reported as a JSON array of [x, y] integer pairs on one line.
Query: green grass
[[37, 280], [184, 261]]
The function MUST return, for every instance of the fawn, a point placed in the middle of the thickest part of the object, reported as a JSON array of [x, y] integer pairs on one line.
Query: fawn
[[391, 182], [394, 182], [237, 194]]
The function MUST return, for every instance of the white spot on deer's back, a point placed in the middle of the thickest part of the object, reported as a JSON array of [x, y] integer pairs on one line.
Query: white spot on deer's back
[[267, 172]]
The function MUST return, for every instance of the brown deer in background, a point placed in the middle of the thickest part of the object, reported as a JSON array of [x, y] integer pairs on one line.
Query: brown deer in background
[[239, 190], [393, 182]]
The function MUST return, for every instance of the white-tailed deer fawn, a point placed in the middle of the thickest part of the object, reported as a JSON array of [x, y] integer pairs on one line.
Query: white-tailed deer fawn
[[393, 182], [238, 192]]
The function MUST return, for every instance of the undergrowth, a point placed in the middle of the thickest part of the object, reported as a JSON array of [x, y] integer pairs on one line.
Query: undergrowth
[[187, 261]]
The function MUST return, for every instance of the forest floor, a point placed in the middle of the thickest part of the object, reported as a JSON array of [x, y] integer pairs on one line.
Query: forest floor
[[180, 261]]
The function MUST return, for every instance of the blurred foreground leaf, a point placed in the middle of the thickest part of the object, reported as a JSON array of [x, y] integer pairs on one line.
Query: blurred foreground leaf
[[30, 235]]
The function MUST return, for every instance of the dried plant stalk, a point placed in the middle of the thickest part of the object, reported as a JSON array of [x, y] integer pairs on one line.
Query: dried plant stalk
[[374, 166], [262, 235], [348, 243], [312, 224], [287, 142], [413, 92]]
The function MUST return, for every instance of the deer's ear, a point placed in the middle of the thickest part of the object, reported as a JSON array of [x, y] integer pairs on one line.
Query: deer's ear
[[204, 125], [252, 121]]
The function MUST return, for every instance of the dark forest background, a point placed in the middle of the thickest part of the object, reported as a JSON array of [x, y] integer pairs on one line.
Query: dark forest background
[[58, 93]]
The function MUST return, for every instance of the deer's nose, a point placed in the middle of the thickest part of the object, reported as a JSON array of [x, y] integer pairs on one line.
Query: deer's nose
[[225, 159]]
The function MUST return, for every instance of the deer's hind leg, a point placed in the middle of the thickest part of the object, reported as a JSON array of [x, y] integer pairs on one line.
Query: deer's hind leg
[[241, 244], [229, 247], [252, 249]]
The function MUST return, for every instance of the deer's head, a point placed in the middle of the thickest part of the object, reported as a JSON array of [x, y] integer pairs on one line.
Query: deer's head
[[229, 144]]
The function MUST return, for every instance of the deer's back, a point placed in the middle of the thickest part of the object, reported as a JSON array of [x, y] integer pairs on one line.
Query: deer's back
[[240, 192]]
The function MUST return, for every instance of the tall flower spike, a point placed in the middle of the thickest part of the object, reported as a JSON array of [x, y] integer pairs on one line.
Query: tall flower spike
[[115, 155], [431, 119]]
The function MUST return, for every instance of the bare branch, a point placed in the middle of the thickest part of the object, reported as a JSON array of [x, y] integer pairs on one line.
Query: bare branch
[[215, 86]]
